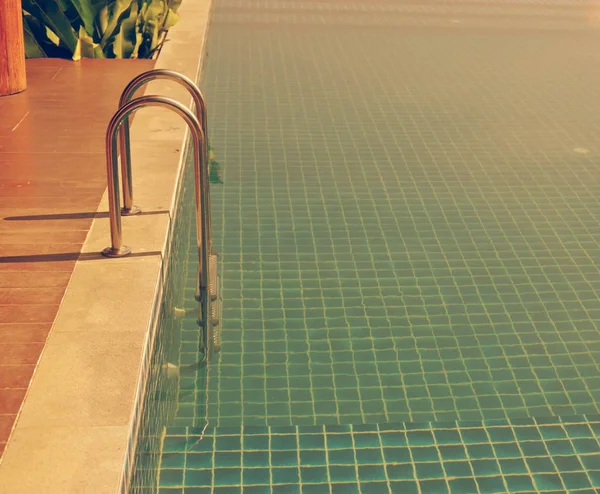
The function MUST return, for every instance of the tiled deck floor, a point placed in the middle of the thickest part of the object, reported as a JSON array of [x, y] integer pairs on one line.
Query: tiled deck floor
[[52, 176]]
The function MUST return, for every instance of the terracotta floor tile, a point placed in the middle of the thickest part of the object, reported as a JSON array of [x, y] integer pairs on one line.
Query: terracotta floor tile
[[47, 261], [30, 296], [2, 447], [49, 186], [42, 279], [30, 265], [24, 333], [20, 353], [41, 73], [72, 203], [62, 144], [28, 249], [14, 113], [34, 224], [54, 237], [22, 166], [49, 194], [11, 400], [15, 376], [6, 423], [28, 313], [21, 250]]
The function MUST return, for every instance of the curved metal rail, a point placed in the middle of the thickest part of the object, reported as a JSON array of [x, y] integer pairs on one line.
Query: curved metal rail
[[125, 151], [117, 249], [124, 141]]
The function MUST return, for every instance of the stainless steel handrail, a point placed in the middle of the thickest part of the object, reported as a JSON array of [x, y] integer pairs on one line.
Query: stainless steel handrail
[[125, 145], [117, 249]]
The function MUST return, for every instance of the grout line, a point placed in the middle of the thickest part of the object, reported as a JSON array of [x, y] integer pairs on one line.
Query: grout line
[[20, 121], [56, 74]]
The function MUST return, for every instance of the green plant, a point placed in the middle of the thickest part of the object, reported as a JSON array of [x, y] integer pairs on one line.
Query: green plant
[[96, 28]]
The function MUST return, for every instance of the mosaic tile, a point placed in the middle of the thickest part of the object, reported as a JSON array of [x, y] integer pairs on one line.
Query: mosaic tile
[[360, 467], [161, 390]]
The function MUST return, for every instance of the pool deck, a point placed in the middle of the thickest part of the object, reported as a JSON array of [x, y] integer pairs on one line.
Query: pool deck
[[75, 423], [53, 177]]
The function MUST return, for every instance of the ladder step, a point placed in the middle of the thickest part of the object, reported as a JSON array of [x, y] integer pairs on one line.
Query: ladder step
[[202, 328], [215, 323], [213, 284], [215, 312]]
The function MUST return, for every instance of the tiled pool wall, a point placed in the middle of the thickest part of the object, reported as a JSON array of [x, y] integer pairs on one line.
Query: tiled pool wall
[[162, 385]]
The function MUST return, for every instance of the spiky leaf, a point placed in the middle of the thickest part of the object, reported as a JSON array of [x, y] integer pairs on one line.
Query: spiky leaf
[[32, 47], [51, 15], [109, 18], [129, 36], [98, 28], [82, 12]]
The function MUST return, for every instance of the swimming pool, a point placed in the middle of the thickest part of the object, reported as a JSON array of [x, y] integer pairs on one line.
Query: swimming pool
[[408, 231]]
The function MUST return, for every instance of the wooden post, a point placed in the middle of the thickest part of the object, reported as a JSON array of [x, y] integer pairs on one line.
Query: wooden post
[[12, 48]]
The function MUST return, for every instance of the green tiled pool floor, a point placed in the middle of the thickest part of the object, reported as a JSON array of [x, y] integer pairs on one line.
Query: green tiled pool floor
[[409, 230], [498, 456]]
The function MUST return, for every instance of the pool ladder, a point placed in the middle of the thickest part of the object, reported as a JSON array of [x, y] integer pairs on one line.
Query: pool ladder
[[207, 292]]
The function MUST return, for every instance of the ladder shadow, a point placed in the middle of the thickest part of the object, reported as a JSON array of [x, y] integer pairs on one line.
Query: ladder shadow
[[68, 256], [73, 216]]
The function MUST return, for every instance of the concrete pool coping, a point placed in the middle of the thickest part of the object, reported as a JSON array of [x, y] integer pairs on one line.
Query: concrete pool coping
[[77, 428]]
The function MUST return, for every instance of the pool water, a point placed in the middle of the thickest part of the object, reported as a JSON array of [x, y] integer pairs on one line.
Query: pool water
[[409, 240]]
